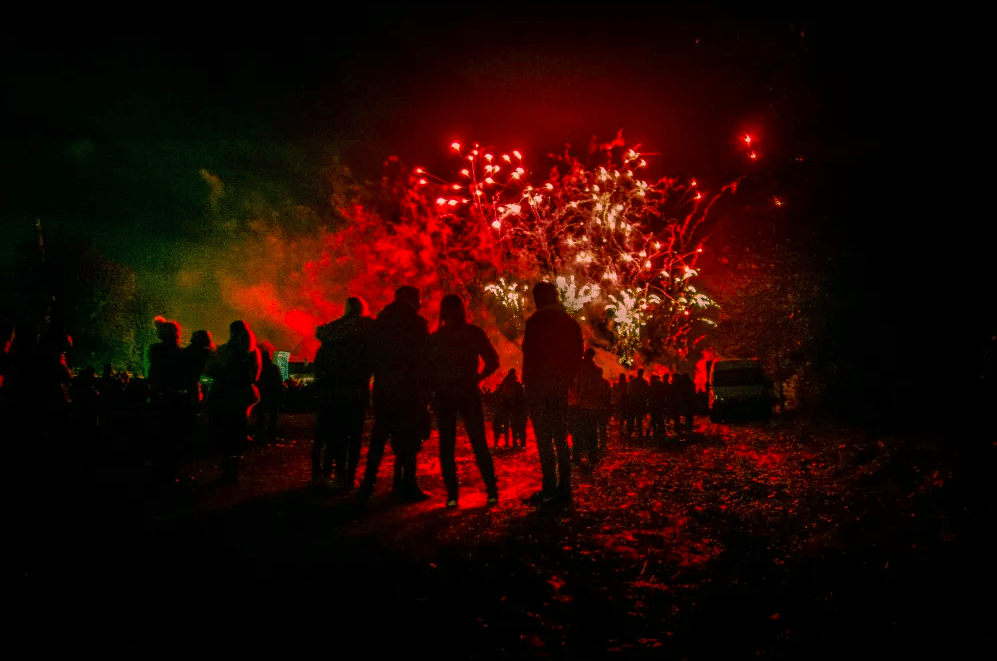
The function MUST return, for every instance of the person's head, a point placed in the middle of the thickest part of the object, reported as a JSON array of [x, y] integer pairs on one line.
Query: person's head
[[240, 336], [622, 379], [512, 373], [356, 307], [589, 353], [655, 378], [410, 295], [168, 332], [452, 311], [544, 294], [202, 340], [640, 373], [265, 355]]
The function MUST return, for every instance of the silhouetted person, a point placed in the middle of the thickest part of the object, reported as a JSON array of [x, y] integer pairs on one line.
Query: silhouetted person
[[171, 404], [271, 397], [519, 417], [400, 398], [637, 394], [589, 388], [37, 389], [197, 355], [656, 401], [235, 370], [509, 396], [343, 367], [605, 411], [452, 360], [552, 353], [683, 402], [621, 403]]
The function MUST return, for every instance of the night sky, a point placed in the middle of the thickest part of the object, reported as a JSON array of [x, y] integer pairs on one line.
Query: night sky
[[110, 133], [105, 137]]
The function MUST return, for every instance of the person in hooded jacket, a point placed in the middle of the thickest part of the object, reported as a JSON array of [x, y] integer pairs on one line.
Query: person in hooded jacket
[[455, 351], [343, 367], [400, 397]]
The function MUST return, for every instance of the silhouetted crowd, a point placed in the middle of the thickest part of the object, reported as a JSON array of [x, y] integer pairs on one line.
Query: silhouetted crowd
[[416, 374]]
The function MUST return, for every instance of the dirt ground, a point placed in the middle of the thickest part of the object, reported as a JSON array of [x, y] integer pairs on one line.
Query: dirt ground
[[783, 540]]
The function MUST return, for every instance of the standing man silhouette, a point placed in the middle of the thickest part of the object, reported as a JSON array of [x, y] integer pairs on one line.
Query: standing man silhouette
[[456, 350], [552, 356], [235, 370], [400, 396], [343, 367]]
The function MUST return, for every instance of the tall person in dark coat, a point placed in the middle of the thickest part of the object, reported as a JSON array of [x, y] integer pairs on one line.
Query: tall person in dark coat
[[400, 396], [235, 370], [343, 367], [552, 356], [456, 350], [171, 403]]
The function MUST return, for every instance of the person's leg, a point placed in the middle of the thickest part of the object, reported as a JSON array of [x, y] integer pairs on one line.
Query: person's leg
[[406, 436], [375, 452], [496, 430], [446, 420], [355, 417], [410, 462], [232, 432], [560, 441], [273, 414], [472, 411], [591, 435], [338, 439], [544, 428]]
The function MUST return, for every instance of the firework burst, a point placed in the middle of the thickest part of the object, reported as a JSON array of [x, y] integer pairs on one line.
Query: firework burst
[[604, 235]]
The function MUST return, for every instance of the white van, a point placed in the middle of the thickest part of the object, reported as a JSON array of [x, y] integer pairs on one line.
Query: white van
[[739, 387]]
